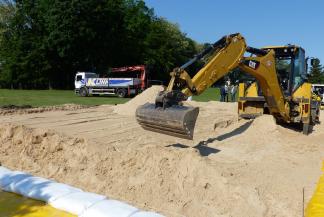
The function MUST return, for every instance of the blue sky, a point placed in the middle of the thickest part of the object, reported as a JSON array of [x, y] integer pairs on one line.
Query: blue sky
[[275, 22]]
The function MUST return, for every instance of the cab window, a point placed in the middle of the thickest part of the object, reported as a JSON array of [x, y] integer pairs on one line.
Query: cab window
[[78, 78], [283, 67], [299, 69], [91, 75]]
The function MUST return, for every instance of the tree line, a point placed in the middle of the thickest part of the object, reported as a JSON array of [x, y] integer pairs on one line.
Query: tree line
[[43, 43]]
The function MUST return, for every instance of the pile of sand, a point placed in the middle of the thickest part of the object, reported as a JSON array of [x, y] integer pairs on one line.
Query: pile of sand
[[263, 125], [11, 109], [152, 177], [231, 168], [130, 107], [41, 151]]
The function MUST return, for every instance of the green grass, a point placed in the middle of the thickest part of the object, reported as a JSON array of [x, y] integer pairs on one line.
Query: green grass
[[211, 94], [37, 98]]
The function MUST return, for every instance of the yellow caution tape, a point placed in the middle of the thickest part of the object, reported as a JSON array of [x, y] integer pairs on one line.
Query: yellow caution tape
[[14, 205], [315, 207]]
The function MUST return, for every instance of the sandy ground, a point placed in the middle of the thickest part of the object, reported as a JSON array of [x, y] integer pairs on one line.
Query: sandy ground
[[11, 109], [231, 168]]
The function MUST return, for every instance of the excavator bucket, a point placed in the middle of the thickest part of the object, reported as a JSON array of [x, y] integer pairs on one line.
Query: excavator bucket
[[178, 121]]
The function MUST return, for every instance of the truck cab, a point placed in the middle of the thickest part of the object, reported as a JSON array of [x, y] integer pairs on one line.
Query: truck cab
[[80, 79]]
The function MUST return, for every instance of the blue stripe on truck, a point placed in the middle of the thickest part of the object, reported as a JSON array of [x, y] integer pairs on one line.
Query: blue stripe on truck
[[119, 81]]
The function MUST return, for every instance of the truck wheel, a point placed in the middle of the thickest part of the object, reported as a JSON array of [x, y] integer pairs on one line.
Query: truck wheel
[[83, 92], [121, 93]]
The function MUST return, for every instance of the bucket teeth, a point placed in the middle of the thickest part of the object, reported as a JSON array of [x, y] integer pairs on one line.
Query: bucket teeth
[[178, 121]]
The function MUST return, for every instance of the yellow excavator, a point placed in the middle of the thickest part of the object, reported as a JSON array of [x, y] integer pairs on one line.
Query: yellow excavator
[[287, 95], [251, 102]]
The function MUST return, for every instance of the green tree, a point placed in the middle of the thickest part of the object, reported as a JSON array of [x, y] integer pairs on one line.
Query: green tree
[[7, 12], [82, 35], [316, 73], [167, 48], [43, 43], [21, 47]]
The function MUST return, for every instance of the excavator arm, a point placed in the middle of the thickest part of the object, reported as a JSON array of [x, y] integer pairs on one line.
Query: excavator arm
[[169, 116], [264, 70], [227, 54]]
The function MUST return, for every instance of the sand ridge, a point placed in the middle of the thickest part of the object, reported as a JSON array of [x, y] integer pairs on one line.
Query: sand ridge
[[147, 95], [11, 109], [232, 167]]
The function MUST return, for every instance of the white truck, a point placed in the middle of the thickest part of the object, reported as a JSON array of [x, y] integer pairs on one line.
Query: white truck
[[122, 82]]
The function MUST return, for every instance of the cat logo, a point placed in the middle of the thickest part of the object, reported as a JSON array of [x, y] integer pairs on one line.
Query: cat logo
[[252, 64]]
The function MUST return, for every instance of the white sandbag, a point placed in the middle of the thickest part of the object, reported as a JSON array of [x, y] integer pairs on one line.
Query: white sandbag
[[65, 197], [50, 191], [33, 187], [146, 214], [9, 180], [110, 208], [29, 184], [3, 171], [77, 203]]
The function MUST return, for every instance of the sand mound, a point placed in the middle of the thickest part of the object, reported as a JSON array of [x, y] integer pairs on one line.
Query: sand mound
[[265, 125], [26, 109], [130, 107], [241, 168], [35, 148], [166, 177]]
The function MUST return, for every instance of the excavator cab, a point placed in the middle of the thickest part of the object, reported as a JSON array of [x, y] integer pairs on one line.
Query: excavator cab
[[290, 66]]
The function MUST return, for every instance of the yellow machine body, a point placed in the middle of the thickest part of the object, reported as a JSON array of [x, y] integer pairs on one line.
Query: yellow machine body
[[250, 103], [169, 116], [315, 207]]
